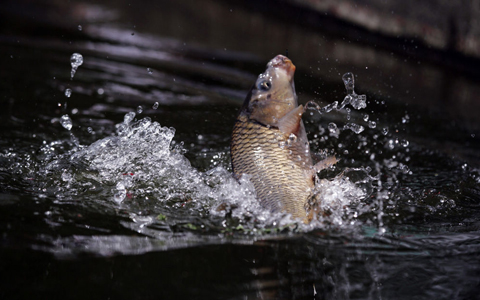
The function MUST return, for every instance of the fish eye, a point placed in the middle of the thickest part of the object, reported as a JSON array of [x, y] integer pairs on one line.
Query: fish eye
[[264, 85]]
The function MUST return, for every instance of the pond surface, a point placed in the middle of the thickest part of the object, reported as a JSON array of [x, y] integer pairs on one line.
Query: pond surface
[[117, 183]]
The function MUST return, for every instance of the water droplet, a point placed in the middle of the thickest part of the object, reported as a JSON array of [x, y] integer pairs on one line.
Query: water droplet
[[385, 131], [155, 105], [129, 117], [365, 117], [354, 127], [349, 81], [357, 101], [149, 71], [404, 143], [332, 127], [100, 91], [372, 124], [74, 111], [391, 144], [139, 109], [66, 122], [79, 27], [68, 93], [76, 60]]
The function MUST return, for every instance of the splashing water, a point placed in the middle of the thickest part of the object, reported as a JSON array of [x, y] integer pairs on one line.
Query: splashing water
[[76, 60], [357, 101], [66, 122]]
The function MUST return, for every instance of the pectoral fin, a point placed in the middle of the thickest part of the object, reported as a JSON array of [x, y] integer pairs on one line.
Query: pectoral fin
[[290, 123], [323, 164]]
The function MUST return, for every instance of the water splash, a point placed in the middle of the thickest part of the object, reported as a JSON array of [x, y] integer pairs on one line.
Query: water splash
[[356, 101], [66, 122], [76, 60]]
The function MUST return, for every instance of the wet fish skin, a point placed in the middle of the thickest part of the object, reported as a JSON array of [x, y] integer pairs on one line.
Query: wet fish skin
[[269, 142]]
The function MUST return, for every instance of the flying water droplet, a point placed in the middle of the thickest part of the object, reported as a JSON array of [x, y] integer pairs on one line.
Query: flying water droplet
[[149, 71], [79, 27], [129, 117], [332, 127], [354, 127], [357, 101], [139, 109], [349, 81], [68, 93], [365, 117], [76, 60], [385, 131], [155, 105], [372, 124], [66, 122]]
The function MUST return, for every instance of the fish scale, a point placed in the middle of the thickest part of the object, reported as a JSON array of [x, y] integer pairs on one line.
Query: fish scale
[[276, 172]]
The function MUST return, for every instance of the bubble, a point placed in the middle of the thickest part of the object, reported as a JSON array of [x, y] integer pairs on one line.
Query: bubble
[[68, 93], [76, 60], [66, 122], [155, 105]]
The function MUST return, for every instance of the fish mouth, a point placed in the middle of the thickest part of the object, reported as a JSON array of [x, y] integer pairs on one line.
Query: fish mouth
[[283, 62]]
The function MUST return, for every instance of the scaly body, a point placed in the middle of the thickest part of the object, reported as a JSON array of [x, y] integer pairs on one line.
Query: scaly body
[[269, 142]]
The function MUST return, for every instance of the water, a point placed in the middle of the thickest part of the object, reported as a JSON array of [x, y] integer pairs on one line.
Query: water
[[76, 60], [128, 184]]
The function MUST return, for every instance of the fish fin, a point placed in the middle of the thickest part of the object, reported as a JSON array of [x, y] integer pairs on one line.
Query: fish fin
[[325, 163], [290, 123]]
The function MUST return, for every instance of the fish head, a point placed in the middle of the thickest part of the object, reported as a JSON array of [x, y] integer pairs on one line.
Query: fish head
[[273, 94]]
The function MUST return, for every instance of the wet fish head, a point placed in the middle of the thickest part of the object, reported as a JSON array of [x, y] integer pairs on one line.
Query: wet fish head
[[273, 94]]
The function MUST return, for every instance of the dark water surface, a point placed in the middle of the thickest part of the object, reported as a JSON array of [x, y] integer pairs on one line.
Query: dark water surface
[[99, 200]]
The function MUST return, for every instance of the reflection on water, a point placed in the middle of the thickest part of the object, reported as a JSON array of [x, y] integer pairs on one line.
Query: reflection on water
[[122, 174]]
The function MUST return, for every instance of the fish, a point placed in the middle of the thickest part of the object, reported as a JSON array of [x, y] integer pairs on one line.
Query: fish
[[269, 143]]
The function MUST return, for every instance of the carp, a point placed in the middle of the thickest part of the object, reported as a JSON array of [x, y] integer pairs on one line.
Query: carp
[[269, 143]]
